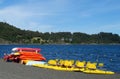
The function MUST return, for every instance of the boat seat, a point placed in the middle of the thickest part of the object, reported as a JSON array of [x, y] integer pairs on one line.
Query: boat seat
[[68, 63], [61, 62], [80, 64], [52, 62], [91, 66]]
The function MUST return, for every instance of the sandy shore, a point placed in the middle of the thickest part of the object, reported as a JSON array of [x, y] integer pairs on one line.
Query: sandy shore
[[10, 70]]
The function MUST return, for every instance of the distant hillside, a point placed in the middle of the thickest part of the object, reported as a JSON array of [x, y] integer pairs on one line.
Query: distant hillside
[[15, 35], [9, 34]]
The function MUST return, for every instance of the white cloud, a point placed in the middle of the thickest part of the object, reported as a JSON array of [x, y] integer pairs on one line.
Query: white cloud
[[31, 11], [15, 11], [37, 26], [48, 15], [22, 15], [31, 15], [15, 15]]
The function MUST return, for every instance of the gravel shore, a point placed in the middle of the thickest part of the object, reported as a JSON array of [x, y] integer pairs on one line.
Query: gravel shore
[[10, 70]]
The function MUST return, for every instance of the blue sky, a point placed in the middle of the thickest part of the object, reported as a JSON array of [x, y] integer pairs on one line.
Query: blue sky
[[87, 16]]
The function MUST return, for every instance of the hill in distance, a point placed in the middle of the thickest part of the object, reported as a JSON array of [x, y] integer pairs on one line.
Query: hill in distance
[[9, 34]]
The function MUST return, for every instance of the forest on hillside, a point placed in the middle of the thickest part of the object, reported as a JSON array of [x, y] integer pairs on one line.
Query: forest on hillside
[[9, 34]]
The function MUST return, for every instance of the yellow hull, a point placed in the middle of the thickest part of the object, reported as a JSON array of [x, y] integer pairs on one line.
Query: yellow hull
[[58, 68], [97, 71]]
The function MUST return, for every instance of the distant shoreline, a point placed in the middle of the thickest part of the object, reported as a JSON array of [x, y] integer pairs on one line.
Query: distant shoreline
[[9, 34], [63, 44]]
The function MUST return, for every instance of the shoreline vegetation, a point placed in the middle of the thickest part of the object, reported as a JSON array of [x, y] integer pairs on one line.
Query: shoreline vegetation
[[9, 34], [57, 44]]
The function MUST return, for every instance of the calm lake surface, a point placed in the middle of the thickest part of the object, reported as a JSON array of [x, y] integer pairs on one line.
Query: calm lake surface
[[107, 54]]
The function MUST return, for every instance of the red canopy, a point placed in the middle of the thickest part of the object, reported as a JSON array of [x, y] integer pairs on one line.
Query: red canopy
[[26, 49]]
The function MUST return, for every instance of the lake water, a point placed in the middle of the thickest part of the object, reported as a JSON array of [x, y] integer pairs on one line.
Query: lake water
[[107, 54]]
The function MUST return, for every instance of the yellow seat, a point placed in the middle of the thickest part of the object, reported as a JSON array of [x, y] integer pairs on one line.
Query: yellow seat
[[72, 61], [61, 62], [80, 64], [52, 62], [91, 65], [68, 63]]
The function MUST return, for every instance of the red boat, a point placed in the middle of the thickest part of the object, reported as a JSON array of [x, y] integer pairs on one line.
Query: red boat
[[19, 54]]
